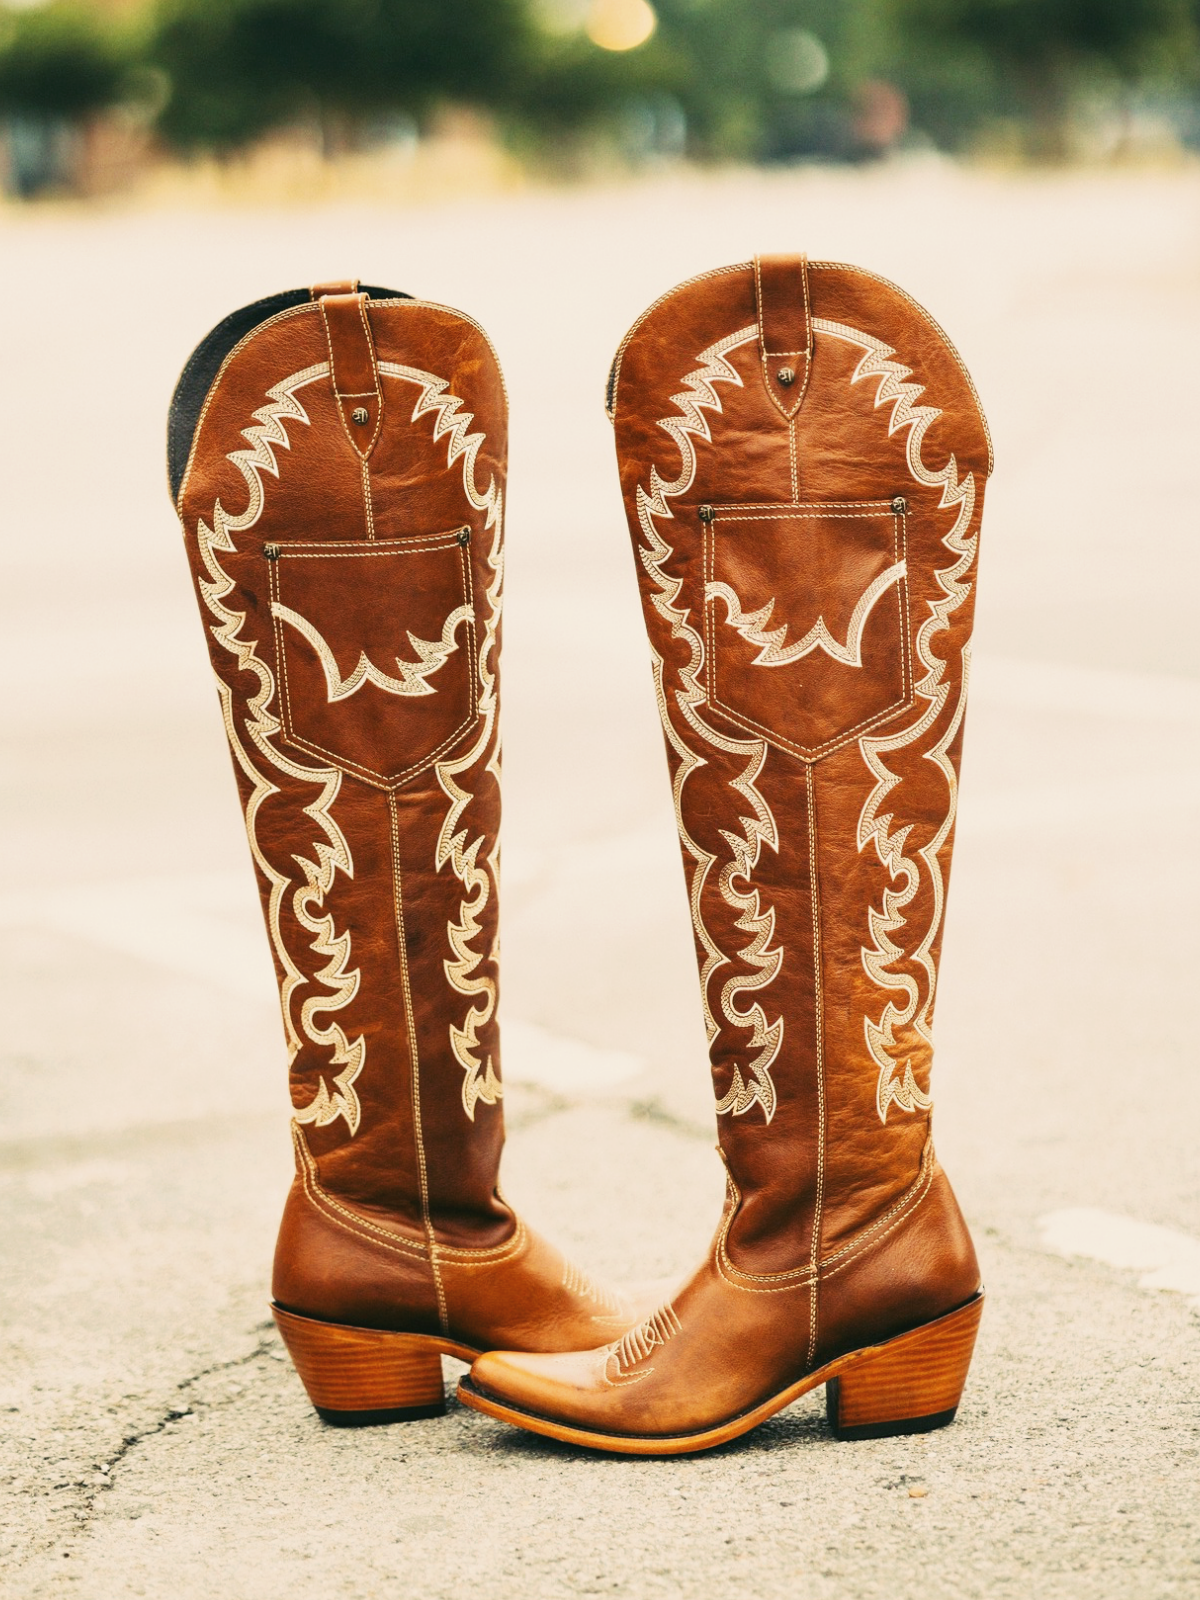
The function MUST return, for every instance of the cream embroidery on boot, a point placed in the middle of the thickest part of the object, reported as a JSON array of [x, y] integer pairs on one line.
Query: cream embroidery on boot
[[877, 826], [576, 1282], [332, 852], [772, 652], [455, 845], [638, 1345], [414, 675], [755, 1085]]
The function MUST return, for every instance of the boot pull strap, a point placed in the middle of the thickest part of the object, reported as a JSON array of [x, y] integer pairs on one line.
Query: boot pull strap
[[352, 365], [338, 286], [784, 328]]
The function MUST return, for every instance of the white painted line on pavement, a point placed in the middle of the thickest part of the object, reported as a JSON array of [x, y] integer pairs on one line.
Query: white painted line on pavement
[[1165, 1258], [202, 925], [1038, 808], [207, 926], [1058, 686], [567, 1066]]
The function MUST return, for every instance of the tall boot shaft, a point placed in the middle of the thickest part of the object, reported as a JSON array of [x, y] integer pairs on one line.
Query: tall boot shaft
[[803, 460], [339, 464]]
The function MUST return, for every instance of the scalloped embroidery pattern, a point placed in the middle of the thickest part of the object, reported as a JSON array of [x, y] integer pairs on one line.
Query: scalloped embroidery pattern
[[456, 845], [331, 851], [755, 1085], [875, 826], [431, 654], [773, 652]]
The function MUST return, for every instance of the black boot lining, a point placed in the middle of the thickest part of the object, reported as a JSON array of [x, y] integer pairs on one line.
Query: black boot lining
[[205, 361]]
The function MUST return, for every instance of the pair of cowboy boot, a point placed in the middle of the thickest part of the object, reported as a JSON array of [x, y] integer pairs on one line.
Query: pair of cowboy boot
[[803, 459]]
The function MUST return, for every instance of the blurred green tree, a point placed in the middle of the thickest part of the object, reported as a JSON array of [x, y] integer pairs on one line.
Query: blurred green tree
[[717, 79], [239, 67], [61, 61], [748, 79], [1038, 50], [764, 78]]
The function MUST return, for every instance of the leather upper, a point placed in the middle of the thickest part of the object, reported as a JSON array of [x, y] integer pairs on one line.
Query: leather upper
[[808, 581], [343, 514], [726, 1340], [355, 638], [803, 461]]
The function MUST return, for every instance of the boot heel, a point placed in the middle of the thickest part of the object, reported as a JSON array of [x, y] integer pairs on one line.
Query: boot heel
[[357, 1376], [911, 1384]]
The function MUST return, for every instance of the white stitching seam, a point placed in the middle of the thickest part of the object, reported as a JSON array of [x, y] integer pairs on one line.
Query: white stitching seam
[[846, 736], [688, 421], [414, 1057], [810, 781], [350, 1222], [813, 266], [803, 1277], [792, 410], [861, 272], [362, 452], [876, 826], [280, 316], [332, 853], [700, 277], [368, 500], [454, 847], [377, 780]]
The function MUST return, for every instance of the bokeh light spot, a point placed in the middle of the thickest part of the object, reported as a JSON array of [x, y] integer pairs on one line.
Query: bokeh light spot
[[620, 24], [797, 61]]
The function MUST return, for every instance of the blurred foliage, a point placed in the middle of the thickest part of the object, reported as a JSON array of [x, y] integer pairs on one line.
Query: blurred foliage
[[62, 60], [844, 79], [1028, 57], [747, 80], [761, 79], [717, 79], [1034, 34], [239, 67]]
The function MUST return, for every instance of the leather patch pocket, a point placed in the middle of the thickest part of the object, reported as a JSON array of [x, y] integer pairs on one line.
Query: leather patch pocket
[[375, 651], [806, 619]]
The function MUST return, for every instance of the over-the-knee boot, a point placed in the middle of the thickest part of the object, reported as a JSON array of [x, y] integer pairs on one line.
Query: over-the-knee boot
[[337, 459], [803, 459]]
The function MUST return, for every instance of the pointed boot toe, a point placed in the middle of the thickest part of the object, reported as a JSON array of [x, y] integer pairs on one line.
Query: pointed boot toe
[[529, 1380], [554, 1394]]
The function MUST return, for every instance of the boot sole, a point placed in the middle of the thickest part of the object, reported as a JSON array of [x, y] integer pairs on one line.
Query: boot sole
[[359, 1377], [909, 1384]]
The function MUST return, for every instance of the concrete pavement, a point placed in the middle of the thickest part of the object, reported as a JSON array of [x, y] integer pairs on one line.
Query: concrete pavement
[[153, 1440]]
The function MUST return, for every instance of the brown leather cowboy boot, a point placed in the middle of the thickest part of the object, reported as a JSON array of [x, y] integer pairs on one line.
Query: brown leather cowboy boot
[[337, 459], [803, 459]]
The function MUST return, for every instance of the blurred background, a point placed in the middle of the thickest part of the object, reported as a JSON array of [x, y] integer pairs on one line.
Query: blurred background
[[1029, 170], [102, 95]]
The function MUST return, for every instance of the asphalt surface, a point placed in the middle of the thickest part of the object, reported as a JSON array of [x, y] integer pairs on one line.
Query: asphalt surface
[[153, 1438]]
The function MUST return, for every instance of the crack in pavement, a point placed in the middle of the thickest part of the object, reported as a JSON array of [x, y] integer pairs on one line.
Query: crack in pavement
[[653, 1110], [90, 1493], [552, 1103], [547, 1103]]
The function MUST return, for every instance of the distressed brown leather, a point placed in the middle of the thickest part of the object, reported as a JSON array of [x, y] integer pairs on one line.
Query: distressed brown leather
[[728, 1340], [349, 576], [806, 552], [356, 380], [335, 286]]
